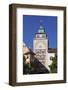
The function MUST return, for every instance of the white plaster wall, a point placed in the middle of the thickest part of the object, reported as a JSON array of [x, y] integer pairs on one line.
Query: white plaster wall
[[48, 61], [50, 55]]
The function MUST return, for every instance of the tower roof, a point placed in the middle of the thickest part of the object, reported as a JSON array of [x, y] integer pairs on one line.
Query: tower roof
[[41, 32], [41, 29]]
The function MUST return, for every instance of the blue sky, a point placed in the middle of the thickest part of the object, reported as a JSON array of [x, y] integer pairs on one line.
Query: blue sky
[[31, 24]]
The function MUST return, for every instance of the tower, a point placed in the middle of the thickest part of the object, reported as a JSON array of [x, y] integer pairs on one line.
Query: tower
[[40, 45]]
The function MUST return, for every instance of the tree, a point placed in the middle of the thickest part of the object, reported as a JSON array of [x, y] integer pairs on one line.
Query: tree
[[25, 66], [28, 68], [53, 66]]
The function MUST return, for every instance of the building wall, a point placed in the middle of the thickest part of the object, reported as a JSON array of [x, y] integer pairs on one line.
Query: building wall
[[41, 45], [49, 61]]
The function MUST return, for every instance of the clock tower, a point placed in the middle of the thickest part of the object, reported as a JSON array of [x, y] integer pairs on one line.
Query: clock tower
[[40, 45]]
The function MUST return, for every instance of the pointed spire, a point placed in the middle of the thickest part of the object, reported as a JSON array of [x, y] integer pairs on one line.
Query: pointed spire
[[41, 29]]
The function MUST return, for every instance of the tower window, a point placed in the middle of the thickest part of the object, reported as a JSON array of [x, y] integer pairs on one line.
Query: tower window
[[37, 36]]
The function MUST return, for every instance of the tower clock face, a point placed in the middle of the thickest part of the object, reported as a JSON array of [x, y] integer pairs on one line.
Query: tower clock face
[[40, 45]]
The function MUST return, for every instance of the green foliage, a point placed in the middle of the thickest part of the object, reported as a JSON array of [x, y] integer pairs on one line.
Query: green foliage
[[27, 68], [53, 66]]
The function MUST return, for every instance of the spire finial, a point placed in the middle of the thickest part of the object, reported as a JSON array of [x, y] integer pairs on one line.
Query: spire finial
[[41, 21], [41, 29]]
